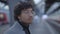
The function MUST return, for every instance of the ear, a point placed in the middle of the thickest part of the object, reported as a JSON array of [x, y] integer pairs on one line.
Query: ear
[[18, 17]]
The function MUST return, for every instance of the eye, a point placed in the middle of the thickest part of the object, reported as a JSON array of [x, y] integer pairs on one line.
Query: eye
[[33, 12], [26, 12]]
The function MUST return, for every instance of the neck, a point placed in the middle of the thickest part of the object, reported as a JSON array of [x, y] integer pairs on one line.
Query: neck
[[23, 24]]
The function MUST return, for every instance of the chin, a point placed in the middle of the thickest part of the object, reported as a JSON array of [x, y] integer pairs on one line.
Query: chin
[[29, 22]]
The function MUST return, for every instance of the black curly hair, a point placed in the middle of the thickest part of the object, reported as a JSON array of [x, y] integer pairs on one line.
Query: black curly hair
[[21, 6]]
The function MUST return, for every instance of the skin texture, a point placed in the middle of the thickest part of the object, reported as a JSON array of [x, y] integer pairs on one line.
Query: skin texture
[[26, 16]]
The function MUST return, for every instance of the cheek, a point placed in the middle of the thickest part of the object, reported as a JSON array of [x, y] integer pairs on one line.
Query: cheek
[[24, 17]]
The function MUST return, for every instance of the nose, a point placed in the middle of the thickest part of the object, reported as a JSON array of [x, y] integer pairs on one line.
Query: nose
[[30, 14]]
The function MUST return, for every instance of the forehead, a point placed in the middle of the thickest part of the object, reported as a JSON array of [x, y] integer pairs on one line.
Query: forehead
[[27, 9]]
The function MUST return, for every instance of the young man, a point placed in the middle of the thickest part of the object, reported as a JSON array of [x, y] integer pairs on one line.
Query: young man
[[23, 14]]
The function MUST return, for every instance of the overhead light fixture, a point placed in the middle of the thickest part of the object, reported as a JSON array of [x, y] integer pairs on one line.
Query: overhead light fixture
[[44, 17], [36, 1], [1, 5], [6, 7]]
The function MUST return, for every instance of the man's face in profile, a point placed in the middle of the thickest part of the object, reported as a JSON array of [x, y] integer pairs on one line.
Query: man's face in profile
[[26, 15]]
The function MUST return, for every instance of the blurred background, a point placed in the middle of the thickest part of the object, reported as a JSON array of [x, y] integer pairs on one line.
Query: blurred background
[[44, 9]]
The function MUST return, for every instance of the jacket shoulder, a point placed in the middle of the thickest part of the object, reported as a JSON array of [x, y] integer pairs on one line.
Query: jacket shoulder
[[10, 30]]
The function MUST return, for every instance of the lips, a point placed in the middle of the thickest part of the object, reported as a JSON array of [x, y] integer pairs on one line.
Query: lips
[[30, 18]]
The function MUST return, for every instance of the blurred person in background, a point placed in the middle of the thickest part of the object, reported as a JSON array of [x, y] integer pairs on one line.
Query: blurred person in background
[[3, 19]]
